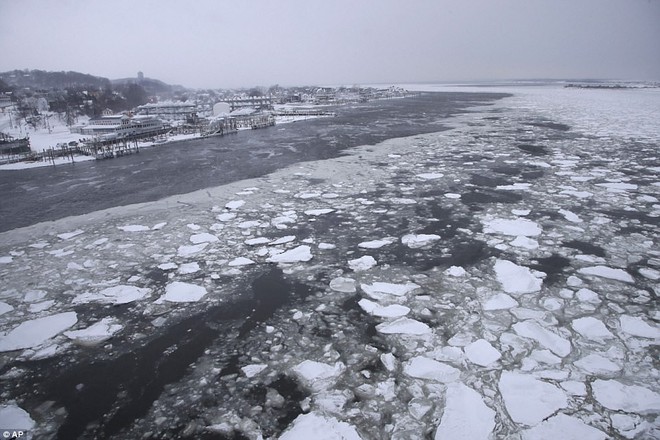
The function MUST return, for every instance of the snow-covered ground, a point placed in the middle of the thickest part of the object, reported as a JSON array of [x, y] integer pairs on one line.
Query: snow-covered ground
[[497, 280]]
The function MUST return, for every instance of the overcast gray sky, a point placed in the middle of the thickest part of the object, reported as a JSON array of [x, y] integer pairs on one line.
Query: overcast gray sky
[[209, 43]]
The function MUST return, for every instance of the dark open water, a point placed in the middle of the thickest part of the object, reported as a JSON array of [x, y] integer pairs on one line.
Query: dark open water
[[35, 195]]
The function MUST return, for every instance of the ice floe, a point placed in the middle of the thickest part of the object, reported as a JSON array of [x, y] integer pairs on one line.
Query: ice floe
[[480, 352], [376, 244], [636, 326], [515, 227], [321, 427], [343, 284], [180, 292], [35, 332], [517, 279], [15, 417], [204, 237], [563, 427], [416, 241], [96, 333], [529, 400], [376, 289], [404, 326], [615, 395], [297, 254], [363, 263], [121, 294], [421, 367], [134, 228], [465, 415], [591, 328], [552, 341], [607, 272]]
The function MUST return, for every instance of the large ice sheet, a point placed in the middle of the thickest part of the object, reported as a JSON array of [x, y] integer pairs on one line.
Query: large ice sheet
[[529, 400], [465, 416], [35, 332]]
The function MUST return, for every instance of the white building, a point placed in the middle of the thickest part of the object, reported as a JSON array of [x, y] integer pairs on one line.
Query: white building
[[120, 126], [170, 110]]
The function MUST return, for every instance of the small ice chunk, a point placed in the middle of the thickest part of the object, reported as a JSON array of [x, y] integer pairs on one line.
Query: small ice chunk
[[188, 268], [389, 361], [649, 273], [375, 244], [253, 369], [529, 400], [516, 279], [500, 301], [204, 237], [552, 341], [452, 196], [158, 226], [342, 284], [597, 364], [363, 263], [235, 204], [326, 246], [421, 367], [240, 261], [6, 259], [167, 266], [629, 398], [182, 292], [405, 326], [636, 326], [480, 352], [456, 271], [588, 296], [70, 235], [465, 416], [521, 212], [416, 241], [300, 253], [524, 242], [121, 294], [563, 427], [391, 311], [376, 289], [226, 216], [608, 272], [317, 212], [4, 308], [186, 251], [570, 216], [430, 176], [515, 227], [15, 417], [96, 333], [134, 228], [35, 332], [319, 427], [312, 371], [283, 240], [591, 328], [617, 186]]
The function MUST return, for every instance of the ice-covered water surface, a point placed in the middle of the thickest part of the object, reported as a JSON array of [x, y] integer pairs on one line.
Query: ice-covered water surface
[[509, 266]]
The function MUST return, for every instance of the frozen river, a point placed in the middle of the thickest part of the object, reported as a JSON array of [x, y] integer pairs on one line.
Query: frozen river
[[504, 260], [35, 195]]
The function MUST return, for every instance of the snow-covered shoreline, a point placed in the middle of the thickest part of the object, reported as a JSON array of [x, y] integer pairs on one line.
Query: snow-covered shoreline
[[483, 268]]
